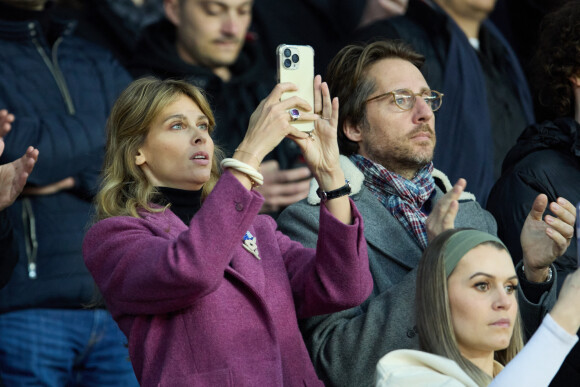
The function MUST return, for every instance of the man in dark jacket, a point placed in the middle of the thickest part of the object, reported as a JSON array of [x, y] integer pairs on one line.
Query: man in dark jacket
[[546, 158], [60, 89], [486, 94], [206, 43]]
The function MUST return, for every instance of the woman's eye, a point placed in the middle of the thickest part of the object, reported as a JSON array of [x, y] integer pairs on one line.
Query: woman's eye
[[178, 126], [511, 288], [483, 286], [203, 126]]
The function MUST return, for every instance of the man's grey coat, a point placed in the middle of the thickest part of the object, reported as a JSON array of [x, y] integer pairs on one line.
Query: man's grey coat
[[346, 346]]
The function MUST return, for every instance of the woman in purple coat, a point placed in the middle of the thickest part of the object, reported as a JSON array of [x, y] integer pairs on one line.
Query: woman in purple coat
[[207, 291]]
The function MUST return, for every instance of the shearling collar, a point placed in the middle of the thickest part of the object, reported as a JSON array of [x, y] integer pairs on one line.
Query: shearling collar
[[356, 179]]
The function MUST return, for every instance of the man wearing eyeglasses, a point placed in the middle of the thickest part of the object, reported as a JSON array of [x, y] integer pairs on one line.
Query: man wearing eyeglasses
[[387, 137], [470, 60]]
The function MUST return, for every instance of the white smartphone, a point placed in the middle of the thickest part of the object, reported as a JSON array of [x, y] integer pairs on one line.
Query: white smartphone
[[296, 65]]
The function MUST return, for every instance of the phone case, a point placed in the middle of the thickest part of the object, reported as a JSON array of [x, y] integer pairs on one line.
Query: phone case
[[296, 65]]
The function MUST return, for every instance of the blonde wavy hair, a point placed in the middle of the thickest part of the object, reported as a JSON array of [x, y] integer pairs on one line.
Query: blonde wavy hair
[[124, 187]]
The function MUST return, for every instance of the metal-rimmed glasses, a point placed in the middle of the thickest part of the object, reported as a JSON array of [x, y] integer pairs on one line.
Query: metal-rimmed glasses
[[405, 98]]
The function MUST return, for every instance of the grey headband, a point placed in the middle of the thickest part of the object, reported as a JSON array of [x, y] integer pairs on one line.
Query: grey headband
[[463, 241]]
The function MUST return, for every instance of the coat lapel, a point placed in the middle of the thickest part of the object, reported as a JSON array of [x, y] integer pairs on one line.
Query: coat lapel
[[385, 233]]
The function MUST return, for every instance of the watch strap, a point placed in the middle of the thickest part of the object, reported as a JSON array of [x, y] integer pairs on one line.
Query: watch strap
[[335, 193]]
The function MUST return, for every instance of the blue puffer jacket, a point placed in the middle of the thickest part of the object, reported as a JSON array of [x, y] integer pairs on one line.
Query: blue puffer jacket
[[61, 97]]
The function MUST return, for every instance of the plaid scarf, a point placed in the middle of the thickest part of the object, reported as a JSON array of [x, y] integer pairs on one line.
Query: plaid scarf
[[402, 197]]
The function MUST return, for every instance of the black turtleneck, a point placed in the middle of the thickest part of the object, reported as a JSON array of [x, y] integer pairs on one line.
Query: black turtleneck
[[184, 203], [43, 17]]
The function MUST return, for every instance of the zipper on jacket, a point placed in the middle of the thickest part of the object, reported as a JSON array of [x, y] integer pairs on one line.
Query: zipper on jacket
[[30, 241], [53, 67]]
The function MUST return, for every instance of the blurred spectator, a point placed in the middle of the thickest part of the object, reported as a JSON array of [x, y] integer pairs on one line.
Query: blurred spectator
[[60, 89], [486, 93], [205, 43], [546, 158], [113, 24]]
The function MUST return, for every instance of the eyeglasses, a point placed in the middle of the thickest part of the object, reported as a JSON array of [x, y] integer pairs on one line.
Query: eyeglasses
[[405, 98]]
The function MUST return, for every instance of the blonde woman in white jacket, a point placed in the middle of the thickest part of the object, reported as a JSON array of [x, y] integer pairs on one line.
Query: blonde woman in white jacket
[[469, 324]]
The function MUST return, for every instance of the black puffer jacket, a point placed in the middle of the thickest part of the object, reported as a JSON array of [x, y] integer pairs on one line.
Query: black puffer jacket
[[61, 95], [546, 159]]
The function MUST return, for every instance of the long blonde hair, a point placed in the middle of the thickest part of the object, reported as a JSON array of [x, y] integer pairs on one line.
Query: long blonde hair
[[436, 334], [124, 188]]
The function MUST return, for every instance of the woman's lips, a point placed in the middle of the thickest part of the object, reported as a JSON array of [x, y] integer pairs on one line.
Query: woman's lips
[[201, 158], [504, 322]]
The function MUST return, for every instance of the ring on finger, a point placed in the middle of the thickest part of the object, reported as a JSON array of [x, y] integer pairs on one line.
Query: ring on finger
[[294, 114]]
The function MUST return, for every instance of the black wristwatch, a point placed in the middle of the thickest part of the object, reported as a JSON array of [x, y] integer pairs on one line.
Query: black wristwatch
[[335, 193]]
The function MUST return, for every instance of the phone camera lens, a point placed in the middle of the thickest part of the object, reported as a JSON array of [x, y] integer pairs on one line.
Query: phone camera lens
[[287, 63], [295, 58], [287, 53]]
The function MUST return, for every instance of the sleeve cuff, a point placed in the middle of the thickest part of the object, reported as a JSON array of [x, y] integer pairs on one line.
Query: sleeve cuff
[[534, 290]]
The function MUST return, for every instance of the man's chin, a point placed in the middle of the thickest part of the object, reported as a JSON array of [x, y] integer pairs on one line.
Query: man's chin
[[422, 159], [221, 62], [224, 56]]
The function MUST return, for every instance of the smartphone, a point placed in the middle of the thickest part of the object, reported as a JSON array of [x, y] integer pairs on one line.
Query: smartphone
[[296, 65]]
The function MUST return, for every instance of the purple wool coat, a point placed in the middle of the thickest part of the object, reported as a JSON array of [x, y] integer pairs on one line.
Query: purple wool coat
[[200, 310]]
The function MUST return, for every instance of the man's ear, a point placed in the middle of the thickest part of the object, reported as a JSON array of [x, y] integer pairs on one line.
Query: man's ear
[[139, 158], [575, 79], [172, 11], [352, 132]]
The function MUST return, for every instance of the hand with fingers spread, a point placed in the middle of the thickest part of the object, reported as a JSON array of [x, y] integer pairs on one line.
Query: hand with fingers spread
[[321, 149], [282, 187], [321, 152], [545, 239], [442, 217]]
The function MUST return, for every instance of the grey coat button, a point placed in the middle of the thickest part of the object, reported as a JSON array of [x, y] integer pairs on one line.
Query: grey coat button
[[239, 206]]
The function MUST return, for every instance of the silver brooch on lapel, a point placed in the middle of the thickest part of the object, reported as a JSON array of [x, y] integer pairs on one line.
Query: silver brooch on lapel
[[249, 243]]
